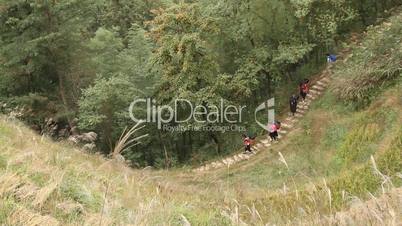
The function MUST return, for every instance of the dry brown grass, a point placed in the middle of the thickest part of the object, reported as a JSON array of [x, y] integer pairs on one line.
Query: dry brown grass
[[127, 140], [384, 210], [9, 182], [44, 193], [22, 216], [26, 192]]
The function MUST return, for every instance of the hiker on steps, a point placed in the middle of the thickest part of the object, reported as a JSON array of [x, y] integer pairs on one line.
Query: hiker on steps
[[331, 58], [304, 88], [293, 104], [273, 130], [247, 141]]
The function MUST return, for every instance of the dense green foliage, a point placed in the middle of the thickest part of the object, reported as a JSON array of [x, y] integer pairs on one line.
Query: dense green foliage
[[383, 62], [89, 59]]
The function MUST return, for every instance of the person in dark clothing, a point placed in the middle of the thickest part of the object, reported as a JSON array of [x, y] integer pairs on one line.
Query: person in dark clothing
[[293, 104]]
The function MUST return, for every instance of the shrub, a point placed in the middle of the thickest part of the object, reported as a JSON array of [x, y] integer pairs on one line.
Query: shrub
[[374, 64]]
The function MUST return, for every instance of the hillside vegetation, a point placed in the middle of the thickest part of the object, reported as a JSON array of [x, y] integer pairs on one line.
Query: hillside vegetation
[[72, 67], [342, 165]]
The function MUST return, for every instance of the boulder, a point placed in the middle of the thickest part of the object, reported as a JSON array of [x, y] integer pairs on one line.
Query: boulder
[[89, 147], [119, 158], [74, 122], [89, 137], [74, 130], [63, 133], [73, 139]]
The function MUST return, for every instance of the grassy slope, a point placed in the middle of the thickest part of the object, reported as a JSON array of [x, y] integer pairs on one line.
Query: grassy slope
[[46, 183]]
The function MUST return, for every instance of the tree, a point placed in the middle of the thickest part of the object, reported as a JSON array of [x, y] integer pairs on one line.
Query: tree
[[121, 14], [322, 19], [189, 69], [121, 77], [42, 46]]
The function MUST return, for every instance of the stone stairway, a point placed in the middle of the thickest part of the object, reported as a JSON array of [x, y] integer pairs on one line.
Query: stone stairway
[[316, 90]]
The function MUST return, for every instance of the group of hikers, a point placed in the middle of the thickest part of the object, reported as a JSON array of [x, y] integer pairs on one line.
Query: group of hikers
[[276, 125], [273, 134], [304, 87]]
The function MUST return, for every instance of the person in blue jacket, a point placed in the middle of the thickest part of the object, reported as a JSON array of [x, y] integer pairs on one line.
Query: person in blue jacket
[[331, 58]]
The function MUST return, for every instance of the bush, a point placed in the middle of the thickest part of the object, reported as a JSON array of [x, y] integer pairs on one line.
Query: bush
[[374, 64]]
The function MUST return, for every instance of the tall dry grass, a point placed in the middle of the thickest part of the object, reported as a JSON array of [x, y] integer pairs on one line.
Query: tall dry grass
[[127, 140]]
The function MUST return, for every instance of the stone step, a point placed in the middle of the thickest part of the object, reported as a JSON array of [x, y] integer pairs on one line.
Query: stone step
[[267, 145], [298, 115], [230, 161], [287, 125], [293, 120], [237, 159], [325, 80], [305, 103], [315, 92], [242, 156], [305, 107], [322, 83], [312, 97], [318, 87], [324, 74], [283, 132], [264, 141]]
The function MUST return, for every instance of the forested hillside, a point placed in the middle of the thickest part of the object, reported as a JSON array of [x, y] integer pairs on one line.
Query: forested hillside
[[71, 69], [75, 66]]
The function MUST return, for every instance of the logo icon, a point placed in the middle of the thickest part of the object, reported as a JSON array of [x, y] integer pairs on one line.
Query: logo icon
[[270, 114]]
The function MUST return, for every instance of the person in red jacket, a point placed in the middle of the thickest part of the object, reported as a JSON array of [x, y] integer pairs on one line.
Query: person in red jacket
[[247, 141], [304, 88], [273, 130]]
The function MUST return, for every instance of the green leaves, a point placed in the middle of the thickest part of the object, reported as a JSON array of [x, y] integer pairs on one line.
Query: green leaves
[[187, 64], [121, 75], [291, 54], [40, 41], [114, 93], [105, 47], [323, 18]]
